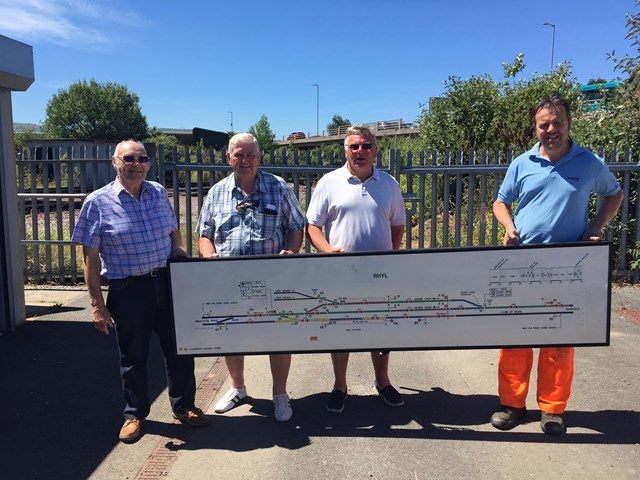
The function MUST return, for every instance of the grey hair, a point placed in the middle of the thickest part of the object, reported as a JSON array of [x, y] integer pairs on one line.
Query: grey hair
[[362, 131], [242, 138], [117, 149]]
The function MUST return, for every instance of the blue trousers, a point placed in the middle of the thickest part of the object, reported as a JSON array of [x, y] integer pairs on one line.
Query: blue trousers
[[138, 306]]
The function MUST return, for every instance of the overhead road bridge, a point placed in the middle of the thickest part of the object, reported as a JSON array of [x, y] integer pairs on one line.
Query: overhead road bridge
[[392, 128]]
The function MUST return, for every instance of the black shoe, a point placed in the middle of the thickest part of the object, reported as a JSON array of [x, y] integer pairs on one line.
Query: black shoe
[[335, 404], [552, 424], [507, 417], [390, 396]]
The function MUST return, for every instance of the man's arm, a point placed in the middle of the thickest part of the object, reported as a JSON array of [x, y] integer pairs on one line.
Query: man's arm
[[319, 241], [207, 248], [100, 315], [606, 212], [176, 244], [397, 231], [502, 212], [294, 242]]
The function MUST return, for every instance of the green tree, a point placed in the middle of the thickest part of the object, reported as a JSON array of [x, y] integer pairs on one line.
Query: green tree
[[481, 112], [94, 111], [263, 133], [462, 117], [630, 63], [596, 81], [170, 143], [336, 122], [513, 126], [619, 124]]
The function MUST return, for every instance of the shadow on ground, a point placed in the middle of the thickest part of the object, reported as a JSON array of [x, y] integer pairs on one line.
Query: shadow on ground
[[34, 311], [432, 414], [62, 414]]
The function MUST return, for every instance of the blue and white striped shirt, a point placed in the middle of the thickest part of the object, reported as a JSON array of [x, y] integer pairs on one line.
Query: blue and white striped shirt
[[262, 228], [132, 235]]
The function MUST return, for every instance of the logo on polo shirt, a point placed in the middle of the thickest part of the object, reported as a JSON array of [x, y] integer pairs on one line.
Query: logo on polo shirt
[[574, 179]]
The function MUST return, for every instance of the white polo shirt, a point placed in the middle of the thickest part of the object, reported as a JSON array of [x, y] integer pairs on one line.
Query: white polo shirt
[[357, 216]]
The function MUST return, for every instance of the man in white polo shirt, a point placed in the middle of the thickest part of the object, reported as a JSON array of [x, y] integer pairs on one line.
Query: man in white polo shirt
[[360, 209]]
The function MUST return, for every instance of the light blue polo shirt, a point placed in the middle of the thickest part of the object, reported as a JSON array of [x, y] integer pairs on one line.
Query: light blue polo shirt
[[553, 199]]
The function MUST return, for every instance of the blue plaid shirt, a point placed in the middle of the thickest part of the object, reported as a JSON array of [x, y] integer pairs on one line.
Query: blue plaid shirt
[[133, 236], [272, 212]]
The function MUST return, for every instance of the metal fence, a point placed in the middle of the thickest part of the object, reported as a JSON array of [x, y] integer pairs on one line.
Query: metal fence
[[448, 196]]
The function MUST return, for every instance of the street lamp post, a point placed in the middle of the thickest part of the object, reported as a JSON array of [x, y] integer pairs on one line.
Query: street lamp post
[[231, 119], [553, 40], [317, 108]]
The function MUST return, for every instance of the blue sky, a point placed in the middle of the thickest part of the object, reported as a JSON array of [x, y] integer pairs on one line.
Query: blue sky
[[193, 62]]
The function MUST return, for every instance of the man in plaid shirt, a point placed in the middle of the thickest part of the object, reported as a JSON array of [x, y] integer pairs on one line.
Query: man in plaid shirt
[[251, 213], [128, 231]]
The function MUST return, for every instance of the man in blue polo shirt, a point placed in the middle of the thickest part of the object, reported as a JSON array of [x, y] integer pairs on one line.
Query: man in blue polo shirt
[[552, 184]]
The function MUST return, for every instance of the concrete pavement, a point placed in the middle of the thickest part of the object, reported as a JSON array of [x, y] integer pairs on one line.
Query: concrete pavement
[[61, 405]]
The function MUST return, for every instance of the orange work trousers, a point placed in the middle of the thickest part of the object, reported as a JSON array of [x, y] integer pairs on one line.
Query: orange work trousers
[[555, 375]]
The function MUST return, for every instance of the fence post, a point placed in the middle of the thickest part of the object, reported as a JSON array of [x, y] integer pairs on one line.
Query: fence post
[[303, 170]]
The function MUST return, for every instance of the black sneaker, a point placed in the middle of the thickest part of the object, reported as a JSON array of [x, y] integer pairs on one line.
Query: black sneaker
[[390, 396], [552, 424], [507, 417], [335, 404]]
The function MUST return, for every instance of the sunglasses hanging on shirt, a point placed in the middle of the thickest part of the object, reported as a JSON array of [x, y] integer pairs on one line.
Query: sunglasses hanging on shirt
[[245, 205]]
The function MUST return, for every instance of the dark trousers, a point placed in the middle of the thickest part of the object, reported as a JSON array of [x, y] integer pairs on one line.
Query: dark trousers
[[138, 306]]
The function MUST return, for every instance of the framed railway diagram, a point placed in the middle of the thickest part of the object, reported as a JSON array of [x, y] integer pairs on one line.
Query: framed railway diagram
[[486, 297]]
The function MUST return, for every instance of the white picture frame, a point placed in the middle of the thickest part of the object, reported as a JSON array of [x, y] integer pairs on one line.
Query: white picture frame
[[462, 298]]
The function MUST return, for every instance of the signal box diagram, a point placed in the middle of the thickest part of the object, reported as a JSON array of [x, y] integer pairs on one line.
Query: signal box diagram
[[489, 297]]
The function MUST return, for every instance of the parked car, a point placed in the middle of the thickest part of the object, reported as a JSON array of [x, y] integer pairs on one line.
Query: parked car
[[296, 136]]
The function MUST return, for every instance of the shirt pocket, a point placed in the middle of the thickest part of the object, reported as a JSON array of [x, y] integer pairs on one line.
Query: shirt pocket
[[267, 225], [225, 225]]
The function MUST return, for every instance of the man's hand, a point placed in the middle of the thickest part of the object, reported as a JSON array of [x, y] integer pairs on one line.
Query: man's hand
[[511, 237], [314, 233], [207, 248], [178, 252], [102, 320], [589, 236], [286, 252]]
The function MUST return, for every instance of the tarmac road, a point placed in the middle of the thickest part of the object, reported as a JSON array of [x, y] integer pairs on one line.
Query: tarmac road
[[61, 405]]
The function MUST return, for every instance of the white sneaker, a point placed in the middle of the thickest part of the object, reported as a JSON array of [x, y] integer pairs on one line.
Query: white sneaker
[[282, 410], [230, 399]]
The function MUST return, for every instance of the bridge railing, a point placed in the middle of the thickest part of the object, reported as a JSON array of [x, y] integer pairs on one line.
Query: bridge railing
[[375, 126]]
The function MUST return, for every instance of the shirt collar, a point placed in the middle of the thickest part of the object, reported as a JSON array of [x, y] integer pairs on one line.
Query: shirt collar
[[258, 187], [118, 187], [344, 170], [573, 151]]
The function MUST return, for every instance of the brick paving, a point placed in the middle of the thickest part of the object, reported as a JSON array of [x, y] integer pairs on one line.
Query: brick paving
[[631, 314], [165, 453]]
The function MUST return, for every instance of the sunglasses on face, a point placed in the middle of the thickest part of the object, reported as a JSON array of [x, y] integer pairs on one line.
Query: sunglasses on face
[[245, 205], [133, 158], [355, 146]]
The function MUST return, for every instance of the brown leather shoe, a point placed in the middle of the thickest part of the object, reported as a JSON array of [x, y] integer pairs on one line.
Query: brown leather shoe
[[131, 430], [193, 418]]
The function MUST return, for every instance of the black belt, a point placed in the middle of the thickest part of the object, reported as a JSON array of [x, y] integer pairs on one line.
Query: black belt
[[156, 272]]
